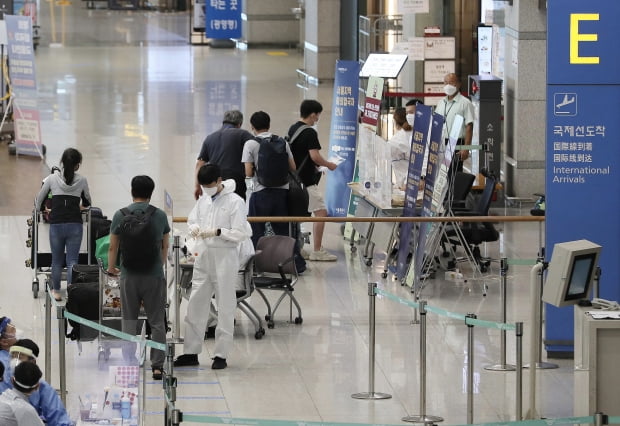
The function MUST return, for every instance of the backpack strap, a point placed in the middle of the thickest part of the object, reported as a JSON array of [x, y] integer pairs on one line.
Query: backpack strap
[[149, 211], [290, 142]]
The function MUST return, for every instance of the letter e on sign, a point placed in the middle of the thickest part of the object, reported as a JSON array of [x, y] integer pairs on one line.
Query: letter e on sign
[[576, 37]]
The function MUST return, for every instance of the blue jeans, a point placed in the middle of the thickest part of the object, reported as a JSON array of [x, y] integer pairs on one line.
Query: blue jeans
[[69, 236]]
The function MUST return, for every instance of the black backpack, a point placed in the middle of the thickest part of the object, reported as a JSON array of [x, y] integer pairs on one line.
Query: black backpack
[[272, 164], [138, 244]]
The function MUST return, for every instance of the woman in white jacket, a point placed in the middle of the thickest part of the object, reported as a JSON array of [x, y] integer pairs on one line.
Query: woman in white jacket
[[219, 218]]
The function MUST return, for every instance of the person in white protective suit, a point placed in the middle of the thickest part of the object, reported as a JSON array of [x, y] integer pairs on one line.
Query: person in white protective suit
[[218, 222]]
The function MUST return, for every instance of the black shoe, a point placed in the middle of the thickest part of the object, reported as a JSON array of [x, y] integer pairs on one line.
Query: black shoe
[[218, 363], [157, 373], [210, 333], [186, 360]]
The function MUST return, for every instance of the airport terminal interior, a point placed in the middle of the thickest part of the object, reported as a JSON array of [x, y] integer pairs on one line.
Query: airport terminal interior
[[128, 90]]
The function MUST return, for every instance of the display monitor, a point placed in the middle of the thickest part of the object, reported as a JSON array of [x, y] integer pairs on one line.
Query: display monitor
[[571, 272]]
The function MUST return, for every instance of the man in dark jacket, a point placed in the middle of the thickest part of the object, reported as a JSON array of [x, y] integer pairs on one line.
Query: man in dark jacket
[[224, 148]]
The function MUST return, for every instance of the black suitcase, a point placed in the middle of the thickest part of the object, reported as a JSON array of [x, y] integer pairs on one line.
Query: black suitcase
[[83, 301], [85, 274]]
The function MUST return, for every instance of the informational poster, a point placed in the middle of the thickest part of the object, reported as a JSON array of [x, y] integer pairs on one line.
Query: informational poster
[[223, 19], [342, 137], [485, 50], [432, 166], [222, 96], [419, 138], [439, 48], [435, 71], [582, 172], [434, 88], [372, 103], [413, 6], [413, 48], [24, 81], [386, 65]]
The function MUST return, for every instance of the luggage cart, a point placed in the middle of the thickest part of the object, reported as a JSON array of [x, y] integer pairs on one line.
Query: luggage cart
[[110, 314], [40, 253]]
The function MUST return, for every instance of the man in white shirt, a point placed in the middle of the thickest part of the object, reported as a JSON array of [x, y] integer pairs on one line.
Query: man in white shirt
[[452, 105], [15, 410]]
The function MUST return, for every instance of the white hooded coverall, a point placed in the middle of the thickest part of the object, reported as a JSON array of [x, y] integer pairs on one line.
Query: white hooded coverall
[[215, 269]]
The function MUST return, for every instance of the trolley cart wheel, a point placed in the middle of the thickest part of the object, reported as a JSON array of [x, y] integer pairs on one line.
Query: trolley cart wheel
[[12, 149], [299, 320], [259, 334], [35, 289], [384, 274], [368, 262], [353, 249], [270, 324]]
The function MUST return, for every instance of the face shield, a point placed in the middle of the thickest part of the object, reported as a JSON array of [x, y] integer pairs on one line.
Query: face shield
[[20, 354]]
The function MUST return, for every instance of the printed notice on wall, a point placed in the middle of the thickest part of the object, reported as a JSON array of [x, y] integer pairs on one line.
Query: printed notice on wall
[[413, 6]]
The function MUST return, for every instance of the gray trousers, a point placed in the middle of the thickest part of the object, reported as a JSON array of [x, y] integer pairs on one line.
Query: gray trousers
[[151, 292]]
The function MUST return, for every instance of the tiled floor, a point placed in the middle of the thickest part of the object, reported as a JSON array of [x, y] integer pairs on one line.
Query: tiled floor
[[128, 91]]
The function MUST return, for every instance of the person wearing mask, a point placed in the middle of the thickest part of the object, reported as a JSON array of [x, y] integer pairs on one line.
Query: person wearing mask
[[449, 107], [14, 407], [69, 195], [224, 148], [142, 268], [306, 151], [44, 398], [219, 218], [7, 339], [410, 110]]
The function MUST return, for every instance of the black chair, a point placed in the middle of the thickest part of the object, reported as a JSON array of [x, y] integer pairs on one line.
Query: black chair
[[275, 270], [473, 233], [463, 183]]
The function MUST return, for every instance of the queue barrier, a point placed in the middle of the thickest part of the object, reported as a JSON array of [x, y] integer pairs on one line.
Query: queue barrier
[[175, 416]]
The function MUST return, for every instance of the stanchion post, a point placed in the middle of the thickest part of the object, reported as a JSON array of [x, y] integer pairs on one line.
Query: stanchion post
[[175, 293], [470, 369], [62, 370], [371, 394], [519, 379], [48, 336], [539, 363], [422, 417], [600, 419], [502, 366], [169, 382]]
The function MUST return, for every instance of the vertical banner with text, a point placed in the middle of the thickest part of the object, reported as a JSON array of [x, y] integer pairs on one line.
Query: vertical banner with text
[[342, 137], [416, 159], [24, 85], [582, 179], [223, 19]]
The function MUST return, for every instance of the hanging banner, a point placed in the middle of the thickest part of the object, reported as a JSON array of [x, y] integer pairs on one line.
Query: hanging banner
[[418, 145], [24, 85], [342, 137], [583, 88], [372, 103], [223, 19]]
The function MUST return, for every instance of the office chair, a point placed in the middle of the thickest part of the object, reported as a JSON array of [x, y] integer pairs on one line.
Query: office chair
[[473, 233], [275, 267]]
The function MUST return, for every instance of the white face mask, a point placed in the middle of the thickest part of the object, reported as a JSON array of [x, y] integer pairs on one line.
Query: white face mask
[[410, 118], [449, 89], [209, 191], [14, 363]]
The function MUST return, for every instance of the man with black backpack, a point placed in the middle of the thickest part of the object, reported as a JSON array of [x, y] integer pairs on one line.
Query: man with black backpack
[[141, 232], [267, 160]]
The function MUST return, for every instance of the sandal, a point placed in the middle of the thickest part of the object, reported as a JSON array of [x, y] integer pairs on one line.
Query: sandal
[[56, 295], [157, 373]]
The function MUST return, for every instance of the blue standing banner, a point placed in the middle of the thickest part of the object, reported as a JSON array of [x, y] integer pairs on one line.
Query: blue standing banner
[[419, 137], [582, 179], [223, 19], [429, 186], [342, 137]]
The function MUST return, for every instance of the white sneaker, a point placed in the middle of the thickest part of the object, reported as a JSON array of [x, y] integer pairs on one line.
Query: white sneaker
[[322, 256], [305, 254]]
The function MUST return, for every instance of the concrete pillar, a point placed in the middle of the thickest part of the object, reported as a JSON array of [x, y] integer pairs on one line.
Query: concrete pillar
[[524, 104], [322, 44]]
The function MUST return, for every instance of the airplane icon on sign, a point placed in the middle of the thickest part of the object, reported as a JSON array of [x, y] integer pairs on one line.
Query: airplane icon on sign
[[565, 104]]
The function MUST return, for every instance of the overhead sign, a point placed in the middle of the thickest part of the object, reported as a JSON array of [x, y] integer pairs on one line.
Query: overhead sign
[[223, 19], [582, 173]]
